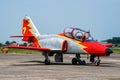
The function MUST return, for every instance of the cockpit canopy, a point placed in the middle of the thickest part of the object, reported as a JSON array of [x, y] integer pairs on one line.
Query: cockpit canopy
[[76, 33]]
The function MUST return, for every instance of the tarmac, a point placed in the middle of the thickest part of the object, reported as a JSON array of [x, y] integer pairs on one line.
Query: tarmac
[[31, 67]]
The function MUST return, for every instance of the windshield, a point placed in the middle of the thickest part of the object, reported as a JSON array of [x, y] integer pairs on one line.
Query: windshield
[[77, 34]]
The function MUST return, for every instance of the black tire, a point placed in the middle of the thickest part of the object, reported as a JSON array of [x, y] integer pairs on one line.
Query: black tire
[[98, 63], [74, 61], [47, 61]]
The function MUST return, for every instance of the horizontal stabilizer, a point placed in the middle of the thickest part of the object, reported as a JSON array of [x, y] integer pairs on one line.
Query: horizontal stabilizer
[[21, 36]]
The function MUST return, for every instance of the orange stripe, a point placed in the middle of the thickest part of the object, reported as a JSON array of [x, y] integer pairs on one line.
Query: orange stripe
[[76, 41]]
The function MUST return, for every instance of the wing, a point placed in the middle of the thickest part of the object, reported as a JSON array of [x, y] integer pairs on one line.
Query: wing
[[36, 48], [29, 48]]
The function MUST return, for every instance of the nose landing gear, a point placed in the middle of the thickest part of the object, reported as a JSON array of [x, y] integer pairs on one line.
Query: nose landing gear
[[96, 62]]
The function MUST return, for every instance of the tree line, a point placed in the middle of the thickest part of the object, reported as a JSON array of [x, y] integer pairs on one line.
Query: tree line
[[114, 40], [8, 43]]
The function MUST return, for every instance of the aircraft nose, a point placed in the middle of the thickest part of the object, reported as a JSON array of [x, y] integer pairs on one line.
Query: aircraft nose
[[108, 52]]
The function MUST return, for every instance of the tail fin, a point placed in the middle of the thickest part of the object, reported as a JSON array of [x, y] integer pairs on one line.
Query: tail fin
[[30, 32]]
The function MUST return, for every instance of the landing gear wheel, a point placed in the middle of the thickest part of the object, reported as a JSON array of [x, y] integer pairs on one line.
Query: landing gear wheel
[[47, 61], [74, 61], [97, 62]]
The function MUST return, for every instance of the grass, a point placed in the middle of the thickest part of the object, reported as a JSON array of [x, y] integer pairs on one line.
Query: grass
[[116, 49], [0, 50], [21, 51]]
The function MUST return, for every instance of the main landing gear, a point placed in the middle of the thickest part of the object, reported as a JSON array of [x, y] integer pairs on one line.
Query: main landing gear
[[96, 62], [58, 57], [77, 60]]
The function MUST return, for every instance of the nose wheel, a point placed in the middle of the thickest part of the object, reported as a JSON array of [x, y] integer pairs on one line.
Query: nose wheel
[[97, 62]]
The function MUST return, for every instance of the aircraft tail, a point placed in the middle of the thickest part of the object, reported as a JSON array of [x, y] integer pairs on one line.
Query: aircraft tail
[[30, 32]]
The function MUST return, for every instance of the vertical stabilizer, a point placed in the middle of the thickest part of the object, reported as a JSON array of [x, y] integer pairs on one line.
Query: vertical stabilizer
[[30, 32]]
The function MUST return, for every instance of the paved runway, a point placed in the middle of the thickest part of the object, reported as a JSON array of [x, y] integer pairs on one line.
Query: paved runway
[[31, 67]]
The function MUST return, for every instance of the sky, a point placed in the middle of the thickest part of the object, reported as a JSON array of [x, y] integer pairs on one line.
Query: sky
[[101, 17]]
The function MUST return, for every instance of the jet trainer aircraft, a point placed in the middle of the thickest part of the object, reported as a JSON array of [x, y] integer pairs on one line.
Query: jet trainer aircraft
[[71, 41]]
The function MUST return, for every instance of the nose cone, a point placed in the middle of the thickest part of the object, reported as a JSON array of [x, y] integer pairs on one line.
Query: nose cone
[[108, 52]]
